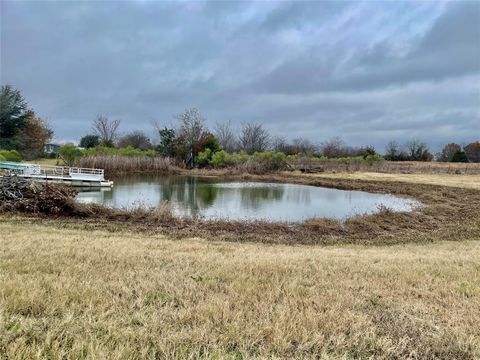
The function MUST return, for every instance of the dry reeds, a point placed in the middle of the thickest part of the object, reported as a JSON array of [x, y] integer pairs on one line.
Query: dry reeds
[[393, 167], [118, 164], [123, 164]]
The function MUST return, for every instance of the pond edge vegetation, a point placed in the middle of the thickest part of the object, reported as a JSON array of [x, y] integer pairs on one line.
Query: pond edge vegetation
[[445, 214]]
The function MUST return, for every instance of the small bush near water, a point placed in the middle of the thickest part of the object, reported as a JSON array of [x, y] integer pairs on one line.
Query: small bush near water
[[258, 163], [266, 161]]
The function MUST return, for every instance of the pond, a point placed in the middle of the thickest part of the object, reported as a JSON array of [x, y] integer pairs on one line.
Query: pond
[[214, 198]]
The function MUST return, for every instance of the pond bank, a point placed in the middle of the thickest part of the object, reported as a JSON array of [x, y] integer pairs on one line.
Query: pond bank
[[447, 213]]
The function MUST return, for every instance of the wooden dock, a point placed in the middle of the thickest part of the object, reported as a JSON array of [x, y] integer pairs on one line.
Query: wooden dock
[[58, 174]]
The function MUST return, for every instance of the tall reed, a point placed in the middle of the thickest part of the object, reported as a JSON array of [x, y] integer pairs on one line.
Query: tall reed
[[118, 164]]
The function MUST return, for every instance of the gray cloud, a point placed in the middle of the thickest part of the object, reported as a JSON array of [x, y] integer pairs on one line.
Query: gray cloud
[[450, 48], [371, 72]]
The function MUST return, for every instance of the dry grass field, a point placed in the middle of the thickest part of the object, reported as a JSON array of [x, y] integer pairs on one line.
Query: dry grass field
[[459, 181], [387, 167], [48, 162], [75, 290], [77, 294]]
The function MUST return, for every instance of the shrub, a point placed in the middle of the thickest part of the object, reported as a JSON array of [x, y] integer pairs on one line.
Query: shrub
[[208, 141], [266, 161], [259, 162], [10, 155], [51, 155], [237, 158], [459, 156], [222, 159], [204, 157], [69, 153], [89, 141], [219, 158], [374, 158]]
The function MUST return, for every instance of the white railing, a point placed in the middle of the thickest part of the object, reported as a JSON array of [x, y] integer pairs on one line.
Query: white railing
[[89, 171], [63, 171]]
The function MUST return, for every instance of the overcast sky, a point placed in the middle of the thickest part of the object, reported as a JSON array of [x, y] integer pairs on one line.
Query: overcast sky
[[369, 71]]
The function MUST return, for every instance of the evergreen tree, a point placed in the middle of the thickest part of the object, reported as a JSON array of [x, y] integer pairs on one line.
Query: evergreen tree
[[13, 115]]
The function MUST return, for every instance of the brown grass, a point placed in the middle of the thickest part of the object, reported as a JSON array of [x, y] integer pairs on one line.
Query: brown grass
[[121, 164], [75, 293], [48, 162], [391, 167], [460, 181], [118, 164]]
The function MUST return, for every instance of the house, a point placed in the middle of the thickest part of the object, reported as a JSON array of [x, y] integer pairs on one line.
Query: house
[[51, 148]]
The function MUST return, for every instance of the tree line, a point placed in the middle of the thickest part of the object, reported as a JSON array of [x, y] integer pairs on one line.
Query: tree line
[[191, 139], [191, 142], [20, 128]]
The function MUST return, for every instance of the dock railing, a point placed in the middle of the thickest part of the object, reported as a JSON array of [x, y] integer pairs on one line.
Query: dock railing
[[89, 171], [36, 170], [65, 171]]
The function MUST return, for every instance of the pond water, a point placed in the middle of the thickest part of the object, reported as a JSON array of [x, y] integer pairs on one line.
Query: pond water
[[214, 198]]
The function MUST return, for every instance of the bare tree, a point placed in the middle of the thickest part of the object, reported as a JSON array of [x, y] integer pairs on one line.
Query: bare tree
[[156, 125], [305, 146], [334, 148], [393, 152], [280, 144], [107, 130], [254, 137], [136, 139], [418, 151], [226, 137], [190, 132]]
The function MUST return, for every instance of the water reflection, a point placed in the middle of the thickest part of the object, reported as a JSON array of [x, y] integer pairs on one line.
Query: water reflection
[[216, 198]]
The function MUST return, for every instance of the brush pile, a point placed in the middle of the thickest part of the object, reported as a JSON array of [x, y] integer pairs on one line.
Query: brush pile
[[20, 194]]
